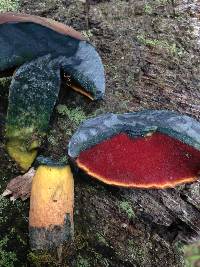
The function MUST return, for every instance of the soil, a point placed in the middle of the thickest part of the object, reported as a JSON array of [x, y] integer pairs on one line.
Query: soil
[[150, 50]]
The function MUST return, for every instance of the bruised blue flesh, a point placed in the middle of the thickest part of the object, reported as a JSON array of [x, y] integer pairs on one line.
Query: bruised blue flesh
[[33, 92], [25, 41], [96, 130]]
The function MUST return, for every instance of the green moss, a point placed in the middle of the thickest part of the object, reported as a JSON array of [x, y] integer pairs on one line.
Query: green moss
[[99, 260], [9, 5], [52, 140], [192, 255], [64, 126], [82, 262], [101, 239], [161, 2], [7, 258], [138, 253], [4, 82], [4, 202], [149, 8], [164, 44], [41, 259], [126, 207], [75, 115], [63, 160], [81, 241]]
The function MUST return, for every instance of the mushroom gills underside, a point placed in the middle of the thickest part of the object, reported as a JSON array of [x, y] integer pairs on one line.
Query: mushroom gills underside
[[155, 160], [70, 82]]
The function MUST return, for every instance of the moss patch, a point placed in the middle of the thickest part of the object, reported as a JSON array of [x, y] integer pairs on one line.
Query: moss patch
[[162, 44], [9, 5], [7, 258], [41, 259], [75, 115], [82, 262], [192, 255], [126, 207]]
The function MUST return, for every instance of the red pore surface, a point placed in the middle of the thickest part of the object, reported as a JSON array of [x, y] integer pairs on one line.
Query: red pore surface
[[156, 161]]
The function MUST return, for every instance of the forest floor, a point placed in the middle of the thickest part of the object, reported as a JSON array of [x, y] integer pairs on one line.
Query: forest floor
[[150, 50]]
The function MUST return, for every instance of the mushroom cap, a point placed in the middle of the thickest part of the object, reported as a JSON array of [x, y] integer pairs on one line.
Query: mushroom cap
[[81, 63], [148, 149], [11, 17]]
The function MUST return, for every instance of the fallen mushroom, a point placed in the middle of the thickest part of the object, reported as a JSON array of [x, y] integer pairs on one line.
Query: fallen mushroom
[[51, 207], [39, 53], [148, 149], [51, 192]]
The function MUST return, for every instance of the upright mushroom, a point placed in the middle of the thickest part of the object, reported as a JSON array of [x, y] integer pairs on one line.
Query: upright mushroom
[[148, 149], [39, 53]]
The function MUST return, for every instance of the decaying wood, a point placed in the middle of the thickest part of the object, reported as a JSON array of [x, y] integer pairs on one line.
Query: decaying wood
[[125, 227]]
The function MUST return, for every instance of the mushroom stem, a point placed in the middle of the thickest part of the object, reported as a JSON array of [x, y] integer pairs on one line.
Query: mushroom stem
[[51, 207], [23, 157]]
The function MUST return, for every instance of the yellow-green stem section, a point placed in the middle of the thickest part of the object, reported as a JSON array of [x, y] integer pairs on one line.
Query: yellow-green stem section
[[18, 152]]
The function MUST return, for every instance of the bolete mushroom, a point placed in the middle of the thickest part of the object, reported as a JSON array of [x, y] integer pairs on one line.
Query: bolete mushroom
[[39, 53], [148, 149], [51, 207]]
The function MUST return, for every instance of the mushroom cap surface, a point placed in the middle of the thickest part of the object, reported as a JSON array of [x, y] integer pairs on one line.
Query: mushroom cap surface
[[12, 17], [24, 38]]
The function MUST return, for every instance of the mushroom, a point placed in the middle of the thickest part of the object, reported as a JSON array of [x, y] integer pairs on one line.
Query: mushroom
[[39, 53], [148, 149], [51, 207]]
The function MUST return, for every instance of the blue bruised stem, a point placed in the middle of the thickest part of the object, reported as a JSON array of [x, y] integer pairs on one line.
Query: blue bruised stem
[[41, 53], [33, 94]]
